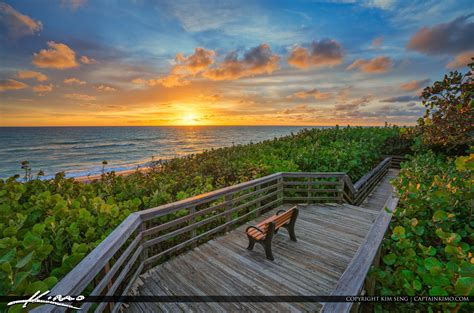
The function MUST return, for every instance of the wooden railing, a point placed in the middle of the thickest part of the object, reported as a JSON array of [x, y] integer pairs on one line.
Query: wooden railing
[[352, 280], [150, 237]]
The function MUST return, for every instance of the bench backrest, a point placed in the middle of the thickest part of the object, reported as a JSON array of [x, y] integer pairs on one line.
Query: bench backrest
[[283, 218], [279, 220]]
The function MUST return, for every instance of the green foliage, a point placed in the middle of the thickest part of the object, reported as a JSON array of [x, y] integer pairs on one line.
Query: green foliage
[[447, 124], [48, 226], [428, 248]]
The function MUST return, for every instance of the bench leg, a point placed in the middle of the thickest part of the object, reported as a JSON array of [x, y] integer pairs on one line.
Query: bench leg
[[267, 243], [291, 225], [291, 232], [268, 250], [251, 243]]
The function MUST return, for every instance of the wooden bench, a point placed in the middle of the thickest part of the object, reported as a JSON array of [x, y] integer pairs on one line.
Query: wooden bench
[[263, 232]]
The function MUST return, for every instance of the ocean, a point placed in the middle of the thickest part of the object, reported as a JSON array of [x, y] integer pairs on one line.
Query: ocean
[[79, 151]]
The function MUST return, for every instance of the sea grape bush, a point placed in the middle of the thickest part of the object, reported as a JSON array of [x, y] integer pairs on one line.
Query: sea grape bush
[[447, 123], [428, 249], [48, 226]]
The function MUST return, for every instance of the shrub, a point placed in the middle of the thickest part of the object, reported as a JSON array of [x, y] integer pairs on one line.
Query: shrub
[[428, 248], [447, 123]]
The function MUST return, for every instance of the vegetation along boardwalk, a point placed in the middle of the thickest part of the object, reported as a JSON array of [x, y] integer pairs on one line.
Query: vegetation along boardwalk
[[329, 236]]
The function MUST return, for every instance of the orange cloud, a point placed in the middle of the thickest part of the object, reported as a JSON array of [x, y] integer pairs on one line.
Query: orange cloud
[[258, 60], [43, 88], [172, 80], [78, 96], [316, 94], [324, 53], [106, 88], [32, 74], [209, 98], [86, 60], [18, 24], [58, 56], [184, 68], [414, 85], [11, 84], [194, 63], [375, 65], [139, 81], [461, 60], [74, 81]]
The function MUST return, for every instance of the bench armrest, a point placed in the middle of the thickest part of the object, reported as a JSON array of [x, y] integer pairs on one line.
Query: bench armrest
[[280, 211], [254, 227]]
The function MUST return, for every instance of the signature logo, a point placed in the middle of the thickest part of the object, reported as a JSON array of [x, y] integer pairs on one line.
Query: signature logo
[[56, 300]]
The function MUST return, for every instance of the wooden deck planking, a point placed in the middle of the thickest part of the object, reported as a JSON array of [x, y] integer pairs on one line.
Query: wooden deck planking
[[328, 237]]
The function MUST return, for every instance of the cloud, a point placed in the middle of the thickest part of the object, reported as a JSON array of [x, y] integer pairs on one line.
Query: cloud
[[18, 24], [376, 65], [380, 4], [355, 104], [461, 60], [256, 61], [58, 56], [139, 81], [377, 42], [11, 84], [299, 109], [74, 4], [74, 81], [32, 74], [447, 38], [194, 63], [78, 96], [43, 88], [326, 52], [406, 98], [414, 84], [314, 93], [209, 98], [184, 68], [106, 88], [172, 80], [86, 60]]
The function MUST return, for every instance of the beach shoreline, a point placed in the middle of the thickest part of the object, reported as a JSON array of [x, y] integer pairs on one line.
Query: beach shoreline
[[91, 178]]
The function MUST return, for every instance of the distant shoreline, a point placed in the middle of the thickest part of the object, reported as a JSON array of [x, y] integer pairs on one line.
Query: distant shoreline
[[91, 178]]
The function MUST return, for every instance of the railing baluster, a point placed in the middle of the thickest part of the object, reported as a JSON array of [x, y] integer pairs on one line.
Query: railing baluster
[[280, 195], [109, 285], [257, 188], [229, 204], [192, 210]]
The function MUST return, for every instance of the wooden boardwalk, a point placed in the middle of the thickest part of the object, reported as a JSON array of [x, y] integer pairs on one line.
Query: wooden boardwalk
[[328, 237]]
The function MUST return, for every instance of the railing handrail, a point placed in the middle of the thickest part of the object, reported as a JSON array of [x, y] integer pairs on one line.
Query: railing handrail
[[82, 275], [205, 197]]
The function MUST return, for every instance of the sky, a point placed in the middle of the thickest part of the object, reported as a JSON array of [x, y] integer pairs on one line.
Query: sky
[[137, 62]]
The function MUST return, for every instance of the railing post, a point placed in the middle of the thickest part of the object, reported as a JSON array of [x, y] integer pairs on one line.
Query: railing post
[[144, 254], [340, 195], [280, 196], [310, 181], [228, 206]]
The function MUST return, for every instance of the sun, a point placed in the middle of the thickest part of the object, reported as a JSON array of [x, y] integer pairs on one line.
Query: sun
[[189, 119]]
